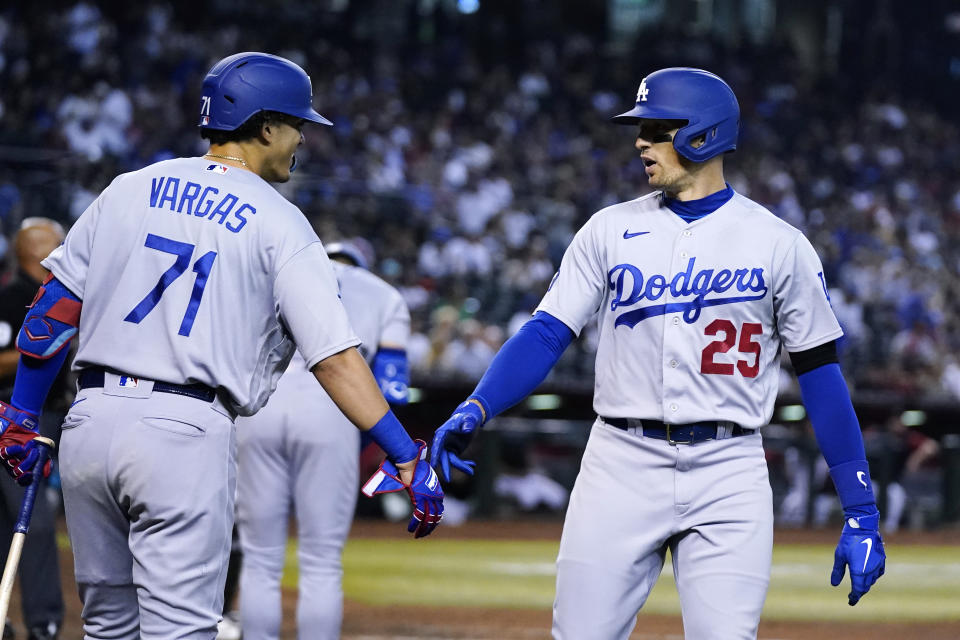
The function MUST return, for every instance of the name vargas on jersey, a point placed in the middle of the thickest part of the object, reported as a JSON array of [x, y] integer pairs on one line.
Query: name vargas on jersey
[[195, 199], [629, 288]]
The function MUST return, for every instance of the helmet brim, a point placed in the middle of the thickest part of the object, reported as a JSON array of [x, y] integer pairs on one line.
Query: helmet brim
[[313, 116], [644, 112]]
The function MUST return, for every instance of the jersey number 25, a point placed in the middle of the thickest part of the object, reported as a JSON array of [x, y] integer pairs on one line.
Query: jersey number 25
[[202, 267], [746, 345]]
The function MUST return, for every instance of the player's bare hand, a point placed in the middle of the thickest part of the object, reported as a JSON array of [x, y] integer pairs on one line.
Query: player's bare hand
[[17, 449], [405, 471], [453, 437], [861, 547], [422, 485]]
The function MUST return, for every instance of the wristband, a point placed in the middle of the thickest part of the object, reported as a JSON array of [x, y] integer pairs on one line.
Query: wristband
[[478, 401], [390, 435], [852, 481]]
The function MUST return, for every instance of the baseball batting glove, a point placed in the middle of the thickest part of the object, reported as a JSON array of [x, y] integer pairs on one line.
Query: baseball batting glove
[[425, 492], [453, 437], [860, 546], [17, 449]]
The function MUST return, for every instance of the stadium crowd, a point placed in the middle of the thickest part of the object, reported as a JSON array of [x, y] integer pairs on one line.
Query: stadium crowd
[[464, 169]]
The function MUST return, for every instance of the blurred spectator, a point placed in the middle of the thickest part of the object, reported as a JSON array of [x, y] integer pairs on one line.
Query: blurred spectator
[[468, 167], [914, 479]]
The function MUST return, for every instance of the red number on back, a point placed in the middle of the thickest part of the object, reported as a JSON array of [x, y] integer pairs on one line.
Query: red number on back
[[707, 364]]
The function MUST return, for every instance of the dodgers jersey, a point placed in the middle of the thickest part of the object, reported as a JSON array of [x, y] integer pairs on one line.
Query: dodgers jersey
[[376, 310], [192, 271], [691, 317]]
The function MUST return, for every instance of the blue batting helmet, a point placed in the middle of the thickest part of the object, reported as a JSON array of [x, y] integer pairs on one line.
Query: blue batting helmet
[[701, 98], [349, 251], [243, 84]]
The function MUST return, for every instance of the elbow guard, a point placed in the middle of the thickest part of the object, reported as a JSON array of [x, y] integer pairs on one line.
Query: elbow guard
[[52, 320]]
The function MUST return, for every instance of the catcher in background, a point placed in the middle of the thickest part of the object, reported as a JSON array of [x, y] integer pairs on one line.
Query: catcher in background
[[294, 446]]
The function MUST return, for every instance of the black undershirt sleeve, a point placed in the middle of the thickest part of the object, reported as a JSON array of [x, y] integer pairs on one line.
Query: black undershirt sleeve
[[811, 359]]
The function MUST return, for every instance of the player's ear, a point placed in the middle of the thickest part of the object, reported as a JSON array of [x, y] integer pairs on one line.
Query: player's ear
[[267, 131]]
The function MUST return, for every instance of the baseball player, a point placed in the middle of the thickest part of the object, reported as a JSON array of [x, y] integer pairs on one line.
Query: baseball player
[[191, 283], [695, 289], [39, 571], [292, 446]]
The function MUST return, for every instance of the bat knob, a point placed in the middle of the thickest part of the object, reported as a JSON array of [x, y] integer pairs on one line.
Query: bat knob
[[47, 442]]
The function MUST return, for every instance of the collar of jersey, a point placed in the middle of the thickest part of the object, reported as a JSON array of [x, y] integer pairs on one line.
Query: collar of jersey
[[690, 210]]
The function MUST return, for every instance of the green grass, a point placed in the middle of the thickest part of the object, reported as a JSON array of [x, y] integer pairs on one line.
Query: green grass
[[921, 583]]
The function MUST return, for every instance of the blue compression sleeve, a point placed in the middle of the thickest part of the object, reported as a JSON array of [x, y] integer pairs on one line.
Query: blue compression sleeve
[[34, 379], [522, 363], [837, 429]]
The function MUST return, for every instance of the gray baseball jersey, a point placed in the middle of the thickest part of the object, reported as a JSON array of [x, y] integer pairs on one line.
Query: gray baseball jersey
[[192, 271], [692, 318], [692, 314], [289, 454]]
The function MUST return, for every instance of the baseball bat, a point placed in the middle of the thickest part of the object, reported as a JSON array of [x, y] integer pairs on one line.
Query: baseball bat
[[23, 525]]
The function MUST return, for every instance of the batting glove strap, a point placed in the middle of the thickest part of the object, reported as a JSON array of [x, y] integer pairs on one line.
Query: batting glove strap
[[17, 450], [860, 547], [425, 493]]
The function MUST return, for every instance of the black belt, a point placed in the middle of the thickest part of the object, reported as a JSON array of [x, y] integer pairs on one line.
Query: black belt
[[90, 378], [678, 433]]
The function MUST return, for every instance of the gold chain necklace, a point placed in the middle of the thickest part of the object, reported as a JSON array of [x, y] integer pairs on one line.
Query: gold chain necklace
[[234, 158]]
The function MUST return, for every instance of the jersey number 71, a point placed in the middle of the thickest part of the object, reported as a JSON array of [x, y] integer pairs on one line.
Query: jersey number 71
[[202, 267]]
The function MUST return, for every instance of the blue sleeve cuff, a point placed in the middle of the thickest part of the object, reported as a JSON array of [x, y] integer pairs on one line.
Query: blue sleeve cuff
[[390, 435]]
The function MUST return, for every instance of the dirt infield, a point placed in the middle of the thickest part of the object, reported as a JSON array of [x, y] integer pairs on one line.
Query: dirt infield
[[395, 623], [365, 622]]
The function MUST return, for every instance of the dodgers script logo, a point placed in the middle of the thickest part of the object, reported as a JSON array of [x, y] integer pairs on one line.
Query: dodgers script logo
[[630, 288]]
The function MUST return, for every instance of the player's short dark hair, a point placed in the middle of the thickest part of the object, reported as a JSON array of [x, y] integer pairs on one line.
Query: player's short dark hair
[[249, 129]]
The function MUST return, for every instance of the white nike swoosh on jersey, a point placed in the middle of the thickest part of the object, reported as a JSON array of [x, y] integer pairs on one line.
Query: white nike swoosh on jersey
[[860, 475], [869, 543]]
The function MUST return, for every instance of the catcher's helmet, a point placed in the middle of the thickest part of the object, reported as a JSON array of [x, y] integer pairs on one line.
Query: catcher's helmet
[[349, 251], [243, 84], [701, 98]]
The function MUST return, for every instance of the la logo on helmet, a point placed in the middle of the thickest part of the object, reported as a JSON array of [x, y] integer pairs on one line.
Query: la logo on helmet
[[642, 91]]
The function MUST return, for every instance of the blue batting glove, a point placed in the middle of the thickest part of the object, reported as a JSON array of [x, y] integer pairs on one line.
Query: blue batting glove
[[453, 437], [860, 547], [425, 493]]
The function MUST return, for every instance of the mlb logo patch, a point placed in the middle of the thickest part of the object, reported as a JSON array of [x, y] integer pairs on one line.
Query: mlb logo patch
[[204, 121], [129, 382], [218, 168]]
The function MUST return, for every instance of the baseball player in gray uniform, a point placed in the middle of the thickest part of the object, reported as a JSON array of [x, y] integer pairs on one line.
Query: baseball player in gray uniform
[[695, 289], [191, 283], [292, 446]]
